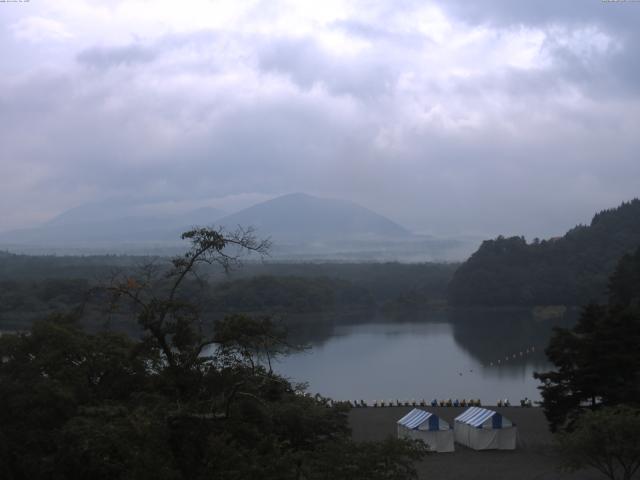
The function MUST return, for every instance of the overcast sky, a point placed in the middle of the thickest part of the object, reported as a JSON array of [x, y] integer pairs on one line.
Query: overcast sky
[[451, 117]]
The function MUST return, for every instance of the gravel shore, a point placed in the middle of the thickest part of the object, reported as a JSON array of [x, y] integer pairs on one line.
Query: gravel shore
[[533, 458]]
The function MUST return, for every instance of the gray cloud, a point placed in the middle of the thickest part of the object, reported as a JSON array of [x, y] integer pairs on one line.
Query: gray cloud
[[379, 33], [572, 12], [106, 57], [426, 131], [307, 64], [607, 73]]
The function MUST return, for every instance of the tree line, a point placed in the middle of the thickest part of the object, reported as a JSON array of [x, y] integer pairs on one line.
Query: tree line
[[592, 397], [570, 270], [33, 287]]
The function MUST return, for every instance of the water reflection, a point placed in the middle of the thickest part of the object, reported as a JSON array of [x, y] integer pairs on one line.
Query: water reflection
[[505, 337], [466, 353], [447, 354]]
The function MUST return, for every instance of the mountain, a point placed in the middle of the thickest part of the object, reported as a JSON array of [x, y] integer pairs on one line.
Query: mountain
[[300, 218], [301, 227], [570, 270], [110, 223]]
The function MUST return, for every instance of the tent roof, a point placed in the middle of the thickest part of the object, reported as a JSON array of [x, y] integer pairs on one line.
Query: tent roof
[[418, 419], [414, 418], [476, 416]]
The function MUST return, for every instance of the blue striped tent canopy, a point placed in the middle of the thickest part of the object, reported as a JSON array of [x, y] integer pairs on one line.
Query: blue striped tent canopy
[[418, 419], [478, 417]]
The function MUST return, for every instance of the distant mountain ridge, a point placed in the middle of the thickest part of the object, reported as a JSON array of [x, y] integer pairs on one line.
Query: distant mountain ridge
[[302, 228], [104, 212], [294, 218], [570, 270], [99, 224], [299, 217]]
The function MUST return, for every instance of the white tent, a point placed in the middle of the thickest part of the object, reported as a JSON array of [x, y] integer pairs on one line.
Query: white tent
[[483, 429], [425, 426]]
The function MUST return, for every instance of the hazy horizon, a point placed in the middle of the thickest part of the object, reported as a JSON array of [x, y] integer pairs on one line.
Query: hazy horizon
[[123, 208]]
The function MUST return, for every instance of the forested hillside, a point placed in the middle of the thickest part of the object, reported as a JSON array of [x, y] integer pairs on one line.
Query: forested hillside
[[570, 270]]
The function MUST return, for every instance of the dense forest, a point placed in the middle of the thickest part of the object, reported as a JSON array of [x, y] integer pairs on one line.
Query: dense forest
[[32, 287], [571, 270]]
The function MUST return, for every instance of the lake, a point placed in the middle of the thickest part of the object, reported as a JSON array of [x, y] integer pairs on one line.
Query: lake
[[457, 354]]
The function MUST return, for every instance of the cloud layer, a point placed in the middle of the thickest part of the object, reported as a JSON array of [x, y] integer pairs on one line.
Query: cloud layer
[[453, 117]]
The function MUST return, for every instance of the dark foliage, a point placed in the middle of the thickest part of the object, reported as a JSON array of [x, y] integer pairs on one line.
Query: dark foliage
[[571, 270], [287, 294], [597, 361], [607, 440], [177, 404], [34, 287]]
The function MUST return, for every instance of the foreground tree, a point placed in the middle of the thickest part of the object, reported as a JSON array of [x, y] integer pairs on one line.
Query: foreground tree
[[607, 440], [184, 402], [172, 324], [597, 361]]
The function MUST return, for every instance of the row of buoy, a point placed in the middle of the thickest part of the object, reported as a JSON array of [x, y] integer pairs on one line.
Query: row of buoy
[[421, 403], [522, 353], [502, 402]]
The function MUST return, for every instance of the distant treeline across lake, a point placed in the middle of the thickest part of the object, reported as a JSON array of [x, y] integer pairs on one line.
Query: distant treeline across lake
[[32, 287]]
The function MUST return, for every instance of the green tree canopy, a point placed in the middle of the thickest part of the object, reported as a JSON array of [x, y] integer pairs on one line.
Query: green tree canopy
[[597, 361], [568, 270], [607, 440]]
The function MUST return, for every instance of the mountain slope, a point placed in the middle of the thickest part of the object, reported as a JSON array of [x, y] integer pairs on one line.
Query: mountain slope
[[99, 224], [570, 270], [299, 217]]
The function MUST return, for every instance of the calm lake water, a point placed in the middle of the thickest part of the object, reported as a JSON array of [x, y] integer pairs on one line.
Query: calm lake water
[[463, 354], [417, 355]]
